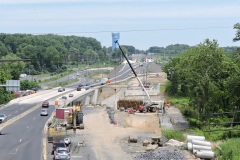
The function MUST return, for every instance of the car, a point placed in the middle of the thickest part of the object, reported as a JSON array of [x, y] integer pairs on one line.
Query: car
[[61, 89], [44, 112], [62, 153], [57, 145], [64, 97], [3, 118], [79, 88], [80, 85], [67, 141], [35, 89], [45, 103], [70, 95]]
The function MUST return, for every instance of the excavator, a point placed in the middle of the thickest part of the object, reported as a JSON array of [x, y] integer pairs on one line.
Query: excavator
[[75, 119]]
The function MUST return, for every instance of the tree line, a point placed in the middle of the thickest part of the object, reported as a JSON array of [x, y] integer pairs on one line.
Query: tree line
[[209, 76]]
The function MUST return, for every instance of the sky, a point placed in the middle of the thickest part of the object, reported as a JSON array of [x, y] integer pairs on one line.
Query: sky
[[141, 23]]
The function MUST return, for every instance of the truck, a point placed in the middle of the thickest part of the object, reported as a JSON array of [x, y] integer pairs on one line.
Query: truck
[[104, 81]]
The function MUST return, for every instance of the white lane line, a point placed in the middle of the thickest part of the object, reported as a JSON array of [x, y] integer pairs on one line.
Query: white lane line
[[33, 118], [20, 140], [16, 149], [27, 126]]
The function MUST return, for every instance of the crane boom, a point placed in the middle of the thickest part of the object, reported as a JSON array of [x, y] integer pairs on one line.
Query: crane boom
[[141, 84]]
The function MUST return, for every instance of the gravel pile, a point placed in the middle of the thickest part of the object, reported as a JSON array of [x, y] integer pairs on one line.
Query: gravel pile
[[111, 113], [161, 154]]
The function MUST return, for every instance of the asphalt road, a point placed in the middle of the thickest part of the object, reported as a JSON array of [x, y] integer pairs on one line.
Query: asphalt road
[[22, 140]]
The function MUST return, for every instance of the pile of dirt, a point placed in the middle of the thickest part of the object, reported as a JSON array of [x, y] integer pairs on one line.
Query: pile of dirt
[[142, 121]]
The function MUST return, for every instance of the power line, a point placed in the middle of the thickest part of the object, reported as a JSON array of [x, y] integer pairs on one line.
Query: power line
[[144, 30]]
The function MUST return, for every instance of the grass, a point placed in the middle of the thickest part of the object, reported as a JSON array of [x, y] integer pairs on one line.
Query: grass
[[174, 134], [97, 75], [64, 83], [57, 77], [162, 88], [229, 149]]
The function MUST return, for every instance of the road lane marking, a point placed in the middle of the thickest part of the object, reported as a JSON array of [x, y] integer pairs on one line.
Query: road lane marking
[[16, 149], [27, 126], [20, 140], [33, 118]]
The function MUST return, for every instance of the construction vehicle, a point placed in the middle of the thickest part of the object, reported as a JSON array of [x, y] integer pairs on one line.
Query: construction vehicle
[[75, 119], [148, 105]]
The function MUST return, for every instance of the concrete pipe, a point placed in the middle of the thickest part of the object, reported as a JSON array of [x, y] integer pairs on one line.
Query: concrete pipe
[[201, 143], [200, 148], [205, 154], [190, 138], [189, 146]]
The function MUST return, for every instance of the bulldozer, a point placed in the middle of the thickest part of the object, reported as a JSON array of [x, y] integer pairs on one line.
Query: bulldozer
[[75, 119]]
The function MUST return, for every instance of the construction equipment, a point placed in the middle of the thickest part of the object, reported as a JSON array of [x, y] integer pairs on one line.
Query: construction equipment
[[147, 105], [75, 119]]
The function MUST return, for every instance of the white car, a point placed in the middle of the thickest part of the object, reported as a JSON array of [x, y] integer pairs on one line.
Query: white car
[[3, 118], [67, 141], [44, 112], [62, 153]]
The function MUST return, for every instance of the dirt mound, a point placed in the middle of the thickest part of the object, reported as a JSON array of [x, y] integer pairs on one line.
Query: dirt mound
[[146, 123]]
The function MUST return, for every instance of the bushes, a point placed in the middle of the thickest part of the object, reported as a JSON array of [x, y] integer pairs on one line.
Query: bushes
[[173, 134], [229, 150]]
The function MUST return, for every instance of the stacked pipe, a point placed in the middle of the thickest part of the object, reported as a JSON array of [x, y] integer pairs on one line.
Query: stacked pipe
[[200, 147]]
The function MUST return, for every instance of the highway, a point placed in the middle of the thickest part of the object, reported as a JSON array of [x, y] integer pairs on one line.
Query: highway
[[22, 139]]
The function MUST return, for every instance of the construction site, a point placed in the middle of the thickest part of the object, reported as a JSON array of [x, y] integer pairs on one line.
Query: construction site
[[116, 127], [127, 122]]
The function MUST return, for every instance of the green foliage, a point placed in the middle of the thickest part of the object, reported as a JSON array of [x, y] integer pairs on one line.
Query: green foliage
[[170, 50], [229, 149], [204, 73], [26, 84], [50, 52], [5, 96], [195, 122], [237, 26], [173, 134], [195, 131], [65, 83]]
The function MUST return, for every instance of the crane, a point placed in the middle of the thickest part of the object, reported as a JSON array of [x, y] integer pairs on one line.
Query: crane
[[149, 103]]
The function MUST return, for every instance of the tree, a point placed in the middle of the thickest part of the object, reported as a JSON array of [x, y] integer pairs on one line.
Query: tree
[[237, 26], [5, 96], [202, 73]]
